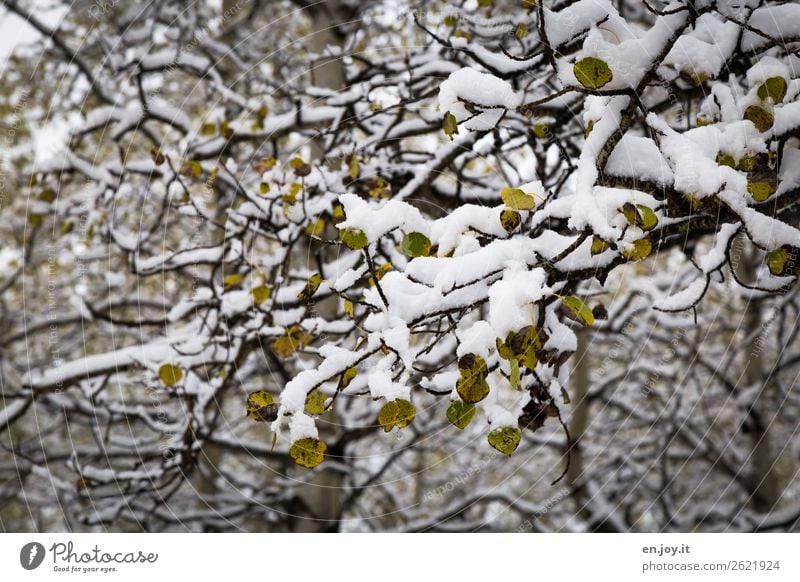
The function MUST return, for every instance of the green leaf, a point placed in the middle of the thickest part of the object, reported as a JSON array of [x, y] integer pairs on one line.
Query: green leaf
[[460, 413], [630, 213], [416, 244], [760, 117], [773, 88], [353, 238], [450, 125], [472, 386], [579, 309], [515, 376], [521, 346], [521, 30], [260, 294], [760, 191], [261, 407], [312, 285], [308, 452], [510, 220], [641, 250], [649, 220], [169, 374], [598, 245], [505, 439], [516, 199], [396, 413], [315, 403], [640, 215], [592, 72]]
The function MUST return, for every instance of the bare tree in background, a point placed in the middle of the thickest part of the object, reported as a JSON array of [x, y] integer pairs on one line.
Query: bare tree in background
[[325, 266]]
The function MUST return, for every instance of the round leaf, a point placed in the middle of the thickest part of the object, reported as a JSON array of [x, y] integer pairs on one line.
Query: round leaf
[[308, 452], [641, 249], [760, 191], [773, 88], [396, 413], [315, 403], [760, 117], [169, 374], [353, 238], [592, 72], [776, 261], [416, 244]]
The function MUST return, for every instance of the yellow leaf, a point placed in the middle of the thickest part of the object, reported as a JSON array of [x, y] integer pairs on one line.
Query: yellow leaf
[[169, 374], [316, 228], [450, 125], [516, 199], [641, 250], [232, 280], [760, 191], [579, 309], [347, 377], [472, 386], [760, 117], [774, 89], [261, 407], [510, 220], [396, 413], [312, 285], [352, 166], [592, 72], [260, 294], [380, 272], [776, 261], [308, 452], [315, 403], [598, 245]]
